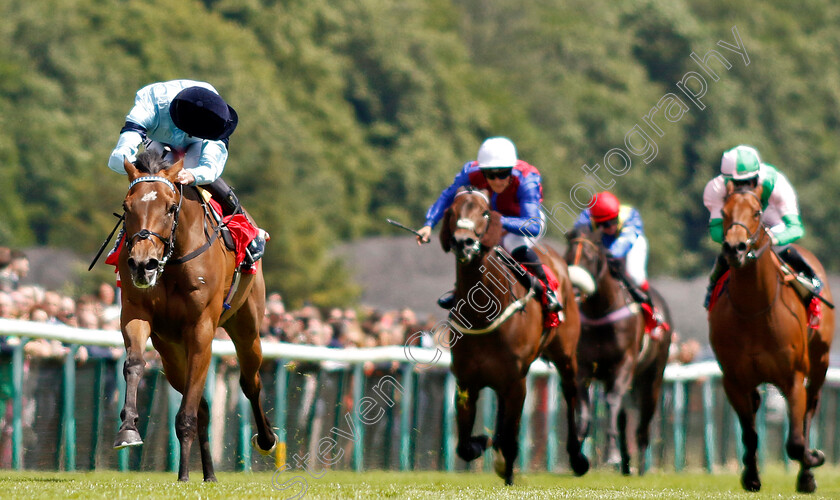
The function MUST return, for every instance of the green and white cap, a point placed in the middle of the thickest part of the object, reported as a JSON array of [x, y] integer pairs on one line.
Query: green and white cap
[[740, 163]]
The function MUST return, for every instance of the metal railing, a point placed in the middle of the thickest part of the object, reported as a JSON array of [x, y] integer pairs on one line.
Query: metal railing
[[693, 409]]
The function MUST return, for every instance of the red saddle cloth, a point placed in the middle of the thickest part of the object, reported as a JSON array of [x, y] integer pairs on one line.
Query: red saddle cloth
[[814, 306], [242, 231], [552, 319]]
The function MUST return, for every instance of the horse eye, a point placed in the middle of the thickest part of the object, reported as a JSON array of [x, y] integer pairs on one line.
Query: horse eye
[[757, 214], [125, 207], [172, 208]]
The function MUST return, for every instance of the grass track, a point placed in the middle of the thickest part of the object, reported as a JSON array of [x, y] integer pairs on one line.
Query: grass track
[[776, 484]]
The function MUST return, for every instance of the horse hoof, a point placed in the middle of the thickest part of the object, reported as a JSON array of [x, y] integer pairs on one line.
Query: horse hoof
[[817, 458], [614, 459], [805, 482], [750, 481], [580, 465], [499, 464], [211, 479], [509, 481], [126, 438], [263, 452]]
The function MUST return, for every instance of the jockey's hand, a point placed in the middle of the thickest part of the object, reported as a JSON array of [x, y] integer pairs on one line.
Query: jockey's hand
[[423, 237], [185, 177]]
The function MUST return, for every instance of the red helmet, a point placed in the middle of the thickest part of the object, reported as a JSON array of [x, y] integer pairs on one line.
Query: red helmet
[[603, 207]]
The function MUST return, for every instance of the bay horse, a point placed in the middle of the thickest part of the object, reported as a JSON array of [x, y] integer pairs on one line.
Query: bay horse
[[614, 348], [491, 351], [759, 331], [175, 275]]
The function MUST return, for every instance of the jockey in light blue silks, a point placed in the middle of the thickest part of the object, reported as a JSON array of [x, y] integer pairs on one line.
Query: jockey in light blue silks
[[186, 119], [515, 192]]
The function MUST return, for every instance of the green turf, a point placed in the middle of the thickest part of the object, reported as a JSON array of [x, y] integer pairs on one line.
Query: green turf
[[776, 483]]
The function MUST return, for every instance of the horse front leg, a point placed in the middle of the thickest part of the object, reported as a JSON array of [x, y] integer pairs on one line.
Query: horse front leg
[[745, 402], [508, 437], [614, 396], [186, 421], [797, 444], [135, 335], [469, 447]]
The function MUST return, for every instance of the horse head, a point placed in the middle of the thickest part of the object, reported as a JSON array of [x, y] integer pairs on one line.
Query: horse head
[[469, 226], [586, 258], [744, 238], [151, 207]]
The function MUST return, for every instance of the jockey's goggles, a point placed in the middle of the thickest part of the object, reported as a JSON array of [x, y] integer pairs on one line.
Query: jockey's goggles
[[497, 173], [607, 223]]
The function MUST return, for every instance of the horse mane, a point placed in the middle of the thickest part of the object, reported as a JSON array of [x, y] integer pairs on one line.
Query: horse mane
[[151, 162]]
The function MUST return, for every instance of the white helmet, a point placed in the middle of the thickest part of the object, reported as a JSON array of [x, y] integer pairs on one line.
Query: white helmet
[[740, 163], [497, 152]]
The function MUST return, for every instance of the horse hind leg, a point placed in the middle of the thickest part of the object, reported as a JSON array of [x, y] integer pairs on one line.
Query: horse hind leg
[[745, 403], [469, 447], [204, 441], [647, 389], [614, 395], [249, 353]]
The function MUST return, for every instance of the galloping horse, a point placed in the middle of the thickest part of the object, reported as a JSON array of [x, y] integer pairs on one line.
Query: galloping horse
[[166, 227], [614, 349], [759, 331], [498, 332]]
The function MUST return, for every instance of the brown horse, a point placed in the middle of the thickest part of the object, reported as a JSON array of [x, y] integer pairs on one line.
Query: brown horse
[[759, 332], [166, 227], [497, 332], [614, 349]]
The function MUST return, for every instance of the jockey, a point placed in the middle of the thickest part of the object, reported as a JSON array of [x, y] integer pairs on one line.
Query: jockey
[[191, 120], [742, 165], [516, 194], [622, 234]]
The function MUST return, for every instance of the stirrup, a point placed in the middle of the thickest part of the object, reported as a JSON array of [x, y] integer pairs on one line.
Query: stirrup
[[447, 300], [256, 249], [554, 305]]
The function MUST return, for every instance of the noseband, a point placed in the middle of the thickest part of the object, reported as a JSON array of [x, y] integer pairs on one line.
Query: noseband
[[145, 234]]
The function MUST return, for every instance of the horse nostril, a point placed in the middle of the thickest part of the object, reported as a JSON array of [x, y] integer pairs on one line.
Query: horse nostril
[[469, 242], [151, 265], [742, 247], [727, 248], [132, 264]]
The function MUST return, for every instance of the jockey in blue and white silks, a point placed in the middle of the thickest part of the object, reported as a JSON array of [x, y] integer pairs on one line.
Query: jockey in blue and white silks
[[622, 233]]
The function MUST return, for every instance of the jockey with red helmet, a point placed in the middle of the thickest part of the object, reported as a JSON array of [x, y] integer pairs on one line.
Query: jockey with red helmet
[[742, 166], [515, 192], [623, 236]]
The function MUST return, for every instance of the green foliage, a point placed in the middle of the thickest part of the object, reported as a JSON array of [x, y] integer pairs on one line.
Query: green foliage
[[351, 112]]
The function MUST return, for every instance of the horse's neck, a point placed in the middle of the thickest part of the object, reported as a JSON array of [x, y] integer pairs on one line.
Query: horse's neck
[[477, 279], [608, 297], [754, 284]]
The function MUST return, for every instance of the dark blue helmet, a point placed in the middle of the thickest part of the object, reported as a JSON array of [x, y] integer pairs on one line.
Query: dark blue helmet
[[202, 113]]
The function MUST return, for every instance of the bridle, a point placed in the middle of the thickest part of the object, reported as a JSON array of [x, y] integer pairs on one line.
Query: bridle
[[754, 236], [144, 234], [469, 224]]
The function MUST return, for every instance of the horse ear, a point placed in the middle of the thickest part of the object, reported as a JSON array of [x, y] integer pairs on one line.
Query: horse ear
[[493, 233], [730, 187], [130, 169], [758, 190], [446, 231], [172, 171]]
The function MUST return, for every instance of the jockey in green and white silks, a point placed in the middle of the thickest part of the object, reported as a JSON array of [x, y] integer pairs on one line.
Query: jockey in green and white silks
[[742, 165]]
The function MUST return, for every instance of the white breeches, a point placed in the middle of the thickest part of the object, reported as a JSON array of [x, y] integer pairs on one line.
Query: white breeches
[[636, 261]]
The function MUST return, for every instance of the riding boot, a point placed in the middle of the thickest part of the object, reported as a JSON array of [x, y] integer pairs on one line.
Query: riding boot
[[447, 300], [529, 260], [721, 266], [795, 260], [223, 193]]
